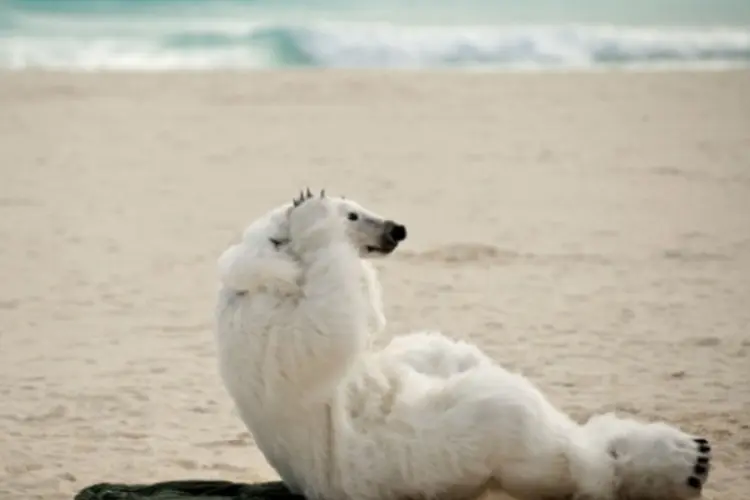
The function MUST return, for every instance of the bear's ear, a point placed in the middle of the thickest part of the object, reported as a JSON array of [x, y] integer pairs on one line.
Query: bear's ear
[[278, 243]]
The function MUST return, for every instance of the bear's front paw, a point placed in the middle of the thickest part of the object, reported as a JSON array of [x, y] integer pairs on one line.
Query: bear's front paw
[[314, 223]]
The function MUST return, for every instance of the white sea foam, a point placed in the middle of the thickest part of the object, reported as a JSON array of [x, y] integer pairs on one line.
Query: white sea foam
[[121, 44]]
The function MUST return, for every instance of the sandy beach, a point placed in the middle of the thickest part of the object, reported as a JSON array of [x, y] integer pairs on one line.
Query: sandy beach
[[590, 230]]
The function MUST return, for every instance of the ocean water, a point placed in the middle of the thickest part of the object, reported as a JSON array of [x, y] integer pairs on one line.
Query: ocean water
[[91, 35]]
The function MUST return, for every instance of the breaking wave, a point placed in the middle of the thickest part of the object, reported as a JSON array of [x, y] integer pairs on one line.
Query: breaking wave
[[228, 44]]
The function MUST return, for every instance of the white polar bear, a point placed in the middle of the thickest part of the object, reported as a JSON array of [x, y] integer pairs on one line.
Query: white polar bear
[[425, 417]]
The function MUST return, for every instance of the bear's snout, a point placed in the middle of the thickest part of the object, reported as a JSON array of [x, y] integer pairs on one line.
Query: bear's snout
[[392, 234], [396, 231]]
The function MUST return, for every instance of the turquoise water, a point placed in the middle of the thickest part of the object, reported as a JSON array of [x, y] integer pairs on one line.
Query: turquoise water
[[91, 35]]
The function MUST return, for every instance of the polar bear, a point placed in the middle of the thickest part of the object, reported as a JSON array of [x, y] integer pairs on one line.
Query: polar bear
[[424, 417]]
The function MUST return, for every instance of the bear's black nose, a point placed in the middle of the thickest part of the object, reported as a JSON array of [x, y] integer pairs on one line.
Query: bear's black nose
[[398, 232]]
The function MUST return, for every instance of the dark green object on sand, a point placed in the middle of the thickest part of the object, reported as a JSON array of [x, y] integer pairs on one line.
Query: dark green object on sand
[[188, 490]]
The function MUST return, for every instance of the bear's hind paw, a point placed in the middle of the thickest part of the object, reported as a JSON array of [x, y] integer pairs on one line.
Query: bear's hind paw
[[701, 464]]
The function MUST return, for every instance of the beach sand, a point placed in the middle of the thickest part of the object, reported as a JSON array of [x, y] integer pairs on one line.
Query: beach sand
[[591, 230]]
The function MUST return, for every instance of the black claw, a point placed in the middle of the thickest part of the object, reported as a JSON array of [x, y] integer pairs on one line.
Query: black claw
[[304, 195], [700, 469], [297, 201], [703, 445], [702, 460], [694, 482]]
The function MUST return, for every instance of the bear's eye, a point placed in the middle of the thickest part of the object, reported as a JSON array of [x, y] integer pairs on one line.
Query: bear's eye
[[352, 216]]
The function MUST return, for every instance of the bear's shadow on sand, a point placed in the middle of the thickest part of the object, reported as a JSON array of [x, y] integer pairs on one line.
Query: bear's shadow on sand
[[188, 489]]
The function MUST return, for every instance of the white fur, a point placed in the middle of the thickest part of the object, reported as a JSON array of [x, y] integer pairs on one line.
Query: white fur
[[426, 416]]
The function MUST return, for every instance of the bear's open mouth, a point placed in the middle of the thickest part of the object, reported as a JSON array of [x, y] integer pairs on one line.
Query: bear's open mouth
[[380, 250], [387, 245]]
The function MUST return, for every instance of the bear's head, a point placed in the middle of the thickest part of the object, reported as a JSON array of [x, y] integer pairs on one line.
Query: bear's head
[[374, 235]]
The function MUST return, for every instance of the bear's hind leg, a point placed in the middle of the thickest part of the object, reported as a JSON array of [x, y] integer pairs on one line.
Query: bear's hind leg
[[504, 422], [652, 460]]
